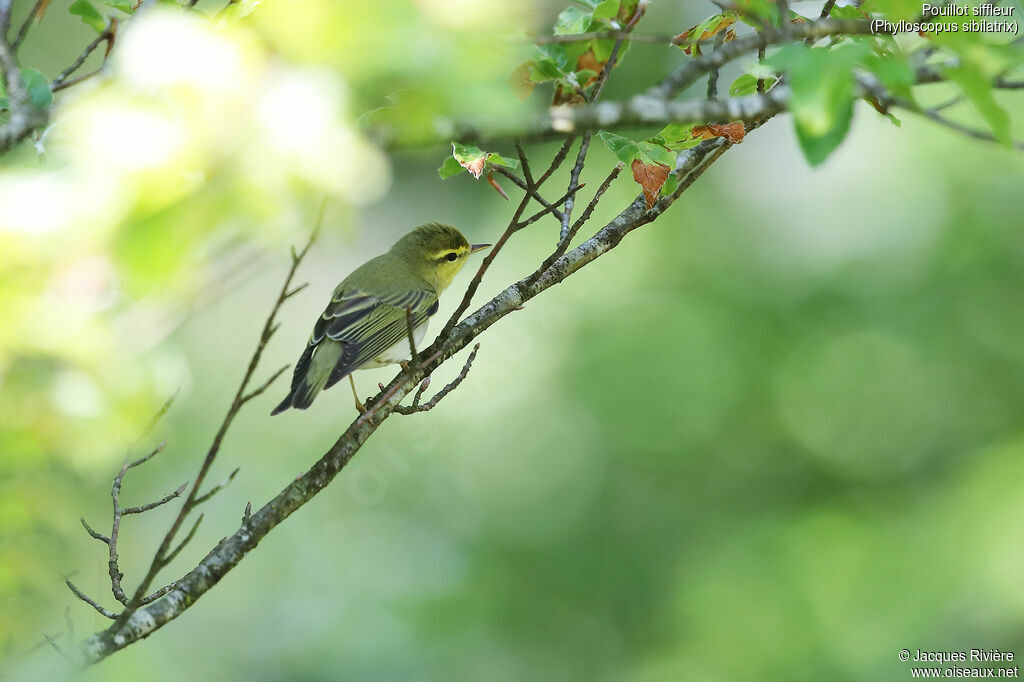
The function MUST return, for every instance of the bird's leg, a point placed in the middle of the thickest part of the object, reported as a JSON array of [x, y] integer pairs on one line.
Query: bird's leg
[[404, 364], [359, 405]]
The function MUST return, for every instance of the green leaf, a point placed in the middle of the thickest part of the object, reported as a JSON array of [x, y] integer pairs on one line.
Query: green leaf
[[651, 152], [572, 20], [544, 70], [89, 14], [449, 168], [624, 150], [893, 71], [756, 12], [583, 75], [848, 12], [473, 159], [823, 94], [558, 54], [499, 160], [37, 86], [123, 5], [894, 9], [979, 91], [603, 48], [671, 182], [710, 26], [676, 136], [744, 85], [607, 9]]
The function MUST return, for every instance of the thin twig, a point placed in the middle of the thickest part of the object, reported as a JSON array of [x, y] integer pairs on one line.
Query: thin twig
[[432, 403], [563, 245], [217, 488], [188, 537], [712, 92], [191, 500], [474, 283], [419, 391], [32, 17], [99, 536], [70, 623], [557, 160], [550, 209], [57, 647], [159, 593], [602, 78], [60, 82], [827, 9], [256, 392], [574, 177], [84, 597], [521, 184], [153, 505]]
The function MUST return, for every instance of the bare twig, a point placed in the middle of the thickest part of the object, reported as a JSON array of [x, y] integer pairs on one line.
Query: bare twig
[[432, 403], [161, 592], [99, 536], [107, 36], [193, 498], [56, 647], [153, 505], [188, 537], [266, 384], [873, 87], [33, 16], [534, 193], [712, 92], [551, 208], [557, 160], [419, 391], [70, 624], [84, 597], [216, 489], [563, 244], [827, 9]]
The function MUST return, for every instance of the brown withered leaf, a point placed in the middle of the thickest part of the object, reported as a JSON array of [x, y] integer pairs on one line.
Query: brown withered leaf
[[588, 61], [733, 132], [723, 23], [566, 95], [650, 177], [520, 81]]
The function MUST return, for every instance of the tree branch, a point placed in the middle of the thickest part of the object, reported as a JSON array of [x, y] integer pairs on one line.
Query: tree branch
[[229, 552]]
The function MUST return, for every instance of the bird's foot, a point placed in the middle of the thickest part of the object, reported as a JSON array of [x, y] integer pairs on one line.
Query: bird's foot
[[404, 364]]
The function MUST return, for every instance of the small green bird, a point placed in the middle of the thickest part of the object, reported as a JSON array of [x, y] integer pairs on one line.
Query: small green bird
[[366, 323]]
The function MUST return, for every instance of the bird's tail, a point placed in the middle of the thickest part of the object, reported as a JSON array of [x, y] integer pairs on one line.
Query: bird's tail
[[311, 373]]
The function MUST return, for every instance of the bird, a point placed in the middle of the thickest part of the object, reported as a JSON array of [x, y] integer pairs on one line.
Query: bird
[[366, 323]]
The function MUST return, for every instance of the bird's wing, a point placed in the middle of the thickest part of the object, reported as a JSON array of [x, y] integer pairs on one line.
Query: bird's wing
[[368, 324]]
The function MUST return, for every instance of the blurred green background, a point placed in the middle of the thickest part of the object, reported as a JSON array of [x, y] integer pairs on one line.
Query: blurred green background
[[777, 434]]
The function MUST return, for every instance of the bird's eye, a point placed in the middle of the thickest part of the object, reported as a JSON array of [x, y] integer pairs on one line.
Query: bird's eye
[[451, 256]]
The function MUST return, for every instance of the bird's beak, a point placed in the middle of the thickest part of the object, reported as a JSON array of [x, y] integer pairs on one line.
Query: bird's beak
[[473, 248]]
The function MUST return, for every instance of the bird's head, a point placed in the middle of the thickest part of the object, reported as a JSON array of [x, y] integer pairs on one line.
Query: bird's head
[[436, 252]]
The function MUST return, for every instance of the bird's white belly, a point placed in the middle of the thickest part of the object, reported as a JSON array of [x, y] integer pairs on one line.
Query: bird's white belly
[[400, 351]]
